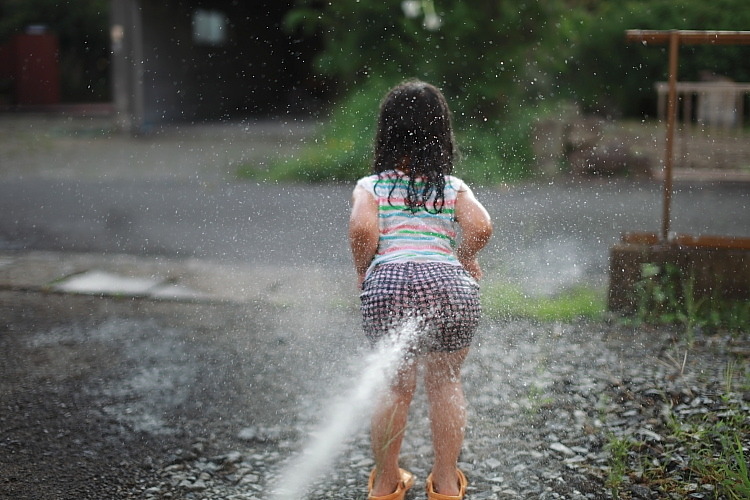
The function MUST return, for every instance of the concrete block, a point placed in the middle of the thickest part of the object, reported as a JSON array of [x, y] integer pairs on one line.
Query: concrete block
[[717, 271]]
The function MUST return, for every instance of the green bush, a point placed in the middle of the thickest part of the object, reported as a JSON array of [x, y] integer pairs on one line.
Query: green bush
[[341, 151], [606, 74], [665, 295], [488, 153], [493, 56], [487, 56]]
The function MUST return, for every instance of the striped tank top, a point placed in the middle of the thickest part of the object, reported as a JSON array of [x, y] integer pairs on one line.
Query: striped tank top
[[407, 236]]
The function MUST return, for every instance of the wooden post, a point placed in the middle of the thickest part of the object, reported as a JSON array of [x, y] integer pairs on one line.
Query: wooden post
[[674, 45]]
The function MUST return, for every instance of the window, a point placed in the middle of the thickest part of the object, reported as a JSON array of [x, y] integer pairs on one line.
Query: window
[[209, 27]]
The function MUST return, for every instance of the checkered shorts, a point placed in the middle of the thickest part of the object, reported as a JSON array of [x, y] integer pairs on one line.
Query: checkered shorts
[[443, 298]]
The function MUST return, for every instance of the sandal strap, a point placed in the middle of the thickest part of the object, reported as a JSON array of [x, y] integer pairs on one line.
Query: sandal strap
[[462, 484], [406, 482]]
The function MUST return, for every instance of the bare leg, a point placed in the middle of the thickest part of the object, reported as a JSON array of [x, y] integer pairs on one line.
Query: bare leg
[[388, 425], [447, 415]]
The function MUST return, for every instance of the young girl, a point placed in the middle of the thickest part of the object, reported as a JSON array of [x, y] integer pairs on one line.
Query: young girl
[[403, 234]]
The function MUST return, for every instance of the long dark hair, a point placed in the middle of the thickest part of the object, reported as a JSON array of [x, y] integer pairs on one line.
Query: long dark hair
[[415, 134]]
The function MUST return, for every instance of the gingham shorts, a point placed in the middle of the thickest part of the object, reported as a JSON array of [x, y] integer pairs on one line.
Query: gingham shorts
[[442, 298]]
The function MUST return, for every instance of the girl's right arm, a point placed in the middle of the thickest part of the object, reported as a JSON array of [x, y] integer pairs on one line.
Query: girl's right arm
[[364, 231], [476, 229]]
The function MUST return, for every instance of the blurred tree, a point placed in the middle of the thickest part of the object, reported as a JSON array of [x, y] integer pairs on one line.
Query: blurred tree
[[82, 28], [609, 76], [491, 56], [487, 56]]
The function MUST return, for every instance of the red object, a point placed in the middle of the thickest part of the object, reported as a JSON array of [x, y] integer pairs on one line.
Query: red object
[[31, 62]]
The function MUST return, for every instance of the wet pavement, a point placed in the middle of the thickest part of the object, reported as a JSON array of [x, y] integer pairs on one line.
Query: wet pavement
[[71, 186], [171, 332]]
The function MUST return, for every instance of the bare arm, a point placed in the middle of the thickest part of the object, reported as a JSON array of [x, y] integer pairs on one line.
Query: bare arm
[[476, 229], [363, 230]]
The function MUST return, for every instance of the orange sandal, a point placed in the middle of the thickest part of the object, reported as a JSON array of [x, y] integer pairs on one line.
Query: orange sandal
[[407, 481], [433, 495]]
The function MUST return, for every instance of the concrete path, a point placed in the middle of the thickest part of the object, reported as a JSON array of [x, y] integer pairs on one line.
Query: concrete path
[[74, 191]]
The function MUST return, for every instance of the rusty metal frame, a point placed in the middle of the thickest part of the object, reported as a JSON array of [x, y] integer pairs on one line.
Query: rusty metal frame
[[674, 38]]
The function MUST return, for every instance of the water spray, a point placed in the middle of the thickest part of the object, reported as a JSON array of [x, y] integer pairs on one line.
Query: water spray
[[346, 415]]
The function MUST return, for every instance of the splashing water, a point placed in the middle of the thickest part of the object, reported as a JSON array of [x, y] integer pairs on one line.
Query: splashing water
[[346, 415]]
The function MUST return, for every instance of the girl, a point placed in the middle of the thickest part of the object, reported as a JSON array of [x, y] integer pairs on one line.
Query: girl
[[403, 234]]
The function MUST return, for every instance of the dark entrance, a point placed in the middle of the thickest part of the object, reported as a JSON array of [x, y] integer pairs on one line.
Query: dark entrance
[[182, 60]]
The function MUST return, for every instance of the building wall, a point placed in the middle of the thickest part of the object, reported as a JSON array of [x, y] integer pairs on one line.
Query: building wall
[[162, 73], [30, 69]]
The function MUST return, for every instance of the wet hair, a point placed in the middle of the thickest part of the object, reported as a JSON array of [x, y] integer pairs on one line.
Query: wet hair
[[415, 134]]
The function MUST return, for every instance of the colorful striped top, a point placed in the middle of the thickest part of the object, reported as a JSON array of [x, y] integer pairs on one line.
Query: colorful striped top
[[407, 236]]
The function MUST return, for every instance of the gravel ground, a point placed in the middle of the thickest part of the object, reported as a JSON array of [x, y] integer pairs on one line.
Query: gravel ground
[[542, 408], [110, 397]]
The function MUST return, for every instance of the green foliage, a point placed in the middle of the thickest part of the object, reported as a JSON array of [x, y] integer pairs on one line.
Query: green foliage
[[501, 152], [343, 149], [607, 74], [619, 449], [666, 295], [489, 58], [712, 449], [486, 55], [507, 301], [494, 56], [501, 63], [704, 449]]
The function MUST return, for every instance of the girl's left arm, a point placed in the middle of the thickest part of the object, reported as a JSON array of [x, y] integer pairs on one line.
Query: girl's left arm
[[476, 228], [364, 232]]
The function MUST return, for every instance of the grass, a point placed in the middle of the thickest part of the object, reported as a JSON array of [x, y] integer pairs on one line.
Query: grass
[[506, 301], [704, 452], [619, 449], [537, 398], [714, 451], [666, 295]]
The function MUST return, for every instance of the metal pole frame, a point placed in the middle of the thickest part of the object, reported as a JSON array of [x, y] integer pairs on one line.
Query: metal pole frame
[[674, 38]]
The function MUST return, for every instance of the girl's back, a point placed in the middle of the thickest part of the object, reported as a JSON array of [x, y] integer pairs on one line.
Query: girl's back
[[409, 233]]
